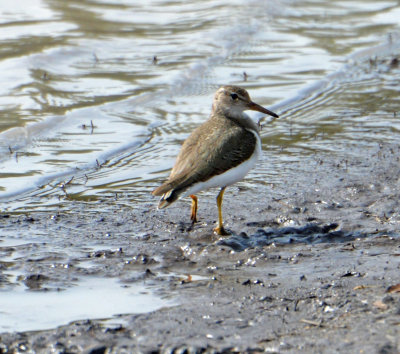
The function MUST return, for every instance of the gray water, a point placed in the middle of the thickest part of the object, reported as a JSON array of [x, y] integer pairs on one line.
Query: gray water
[[87, 113]]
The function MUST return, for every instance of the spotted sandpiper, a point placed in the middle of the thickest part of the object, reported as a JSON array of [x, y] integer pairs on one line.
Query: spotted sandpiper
[[218, 153]]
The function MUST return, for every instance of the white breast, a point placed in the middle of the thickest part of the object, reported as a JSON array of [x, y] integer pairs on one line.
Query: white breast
[[231, 176]]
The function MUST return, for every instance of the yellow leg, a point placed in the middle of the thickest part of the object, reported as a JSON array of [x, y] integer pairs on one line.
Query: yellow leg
[[220, 229], [193, 214]]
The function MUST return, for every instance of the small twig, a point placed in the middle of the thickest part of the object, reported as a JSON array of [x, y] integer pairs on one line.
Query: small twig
[[64, 184], [313, 323], [45, 76], [70, 180], [96, 59], [62, 187]]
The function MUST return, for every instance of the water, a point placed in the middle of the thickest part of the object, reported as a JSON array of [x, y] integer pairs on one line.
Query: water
[[95, 298], [82, 97], [47, 284], [97, 96]]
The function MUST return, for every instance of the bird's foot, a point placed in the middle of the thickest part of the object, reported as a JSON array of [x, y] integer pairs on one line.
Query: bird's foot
[[220, 230], [193, 222]]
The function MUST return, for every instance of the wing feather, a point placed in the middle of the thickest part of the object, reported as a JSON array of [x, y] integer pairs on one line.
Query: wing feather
[[217, 151]]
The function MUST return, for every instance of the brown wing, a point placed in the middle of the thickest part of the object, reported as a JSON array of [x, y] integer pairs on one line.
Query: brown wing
[[210, 150]]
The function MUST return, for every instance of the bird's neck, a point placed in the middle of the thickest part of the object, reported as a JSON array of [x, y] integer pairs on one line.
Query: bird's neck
[[238, 117]]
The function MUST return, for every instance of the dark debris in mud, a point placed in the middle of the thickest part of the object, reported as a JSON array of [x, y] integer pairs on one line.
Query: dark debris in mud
[[309, 234]]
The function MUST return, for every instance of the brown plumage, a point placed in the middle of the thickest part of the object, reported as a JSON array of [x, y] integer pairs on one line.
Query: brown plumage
[[225, 141]]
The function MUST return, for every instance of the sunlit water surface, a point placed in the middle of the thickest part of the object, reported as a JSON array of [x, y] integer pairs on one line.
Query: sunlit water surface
[[81, 97], [94, 298], [97, 96]]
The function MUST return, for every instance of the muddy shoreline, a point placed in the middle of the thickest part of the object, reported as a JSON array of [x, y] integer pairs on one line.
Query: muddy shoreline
[[307, 268]]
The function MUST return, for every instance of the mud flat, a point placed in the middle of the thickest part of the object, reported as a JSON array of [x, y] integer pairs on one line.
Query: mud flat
[[312, 265]]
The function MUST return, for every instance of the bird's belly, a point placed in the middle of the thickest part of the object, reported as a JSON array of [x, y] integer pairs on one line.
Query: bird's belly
[[229, 177]]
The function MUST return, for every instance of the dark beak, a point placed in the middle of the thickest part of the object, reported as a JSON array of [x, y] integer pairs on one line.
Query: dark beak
[[256, 107]]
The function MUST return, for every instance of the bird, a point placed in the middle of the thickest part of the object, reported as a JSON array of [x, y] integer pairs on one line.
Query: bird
[[218, 153]]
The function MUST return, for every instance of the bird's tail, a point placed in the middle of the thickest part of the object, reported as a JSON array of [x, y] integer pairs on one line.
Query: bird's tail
[[167, 198]]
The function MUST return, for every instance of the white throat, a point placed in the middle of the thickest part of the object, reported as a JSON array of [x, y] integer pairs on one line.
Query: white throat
[[236, 113]]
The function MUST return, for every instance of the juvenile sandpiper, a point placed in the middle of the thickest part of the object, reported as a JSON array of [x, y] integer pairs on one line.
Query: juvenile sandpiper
[[218, 153]]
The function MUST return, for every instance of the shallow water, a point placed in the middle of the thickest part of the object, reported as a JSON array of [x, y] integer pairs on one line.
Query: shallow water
[[93, 298], [88, 114], [83, 101]]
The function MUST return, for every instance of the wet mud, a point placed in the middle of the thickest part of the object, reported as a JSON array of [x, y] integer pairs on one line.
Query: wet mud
[[311, 266]]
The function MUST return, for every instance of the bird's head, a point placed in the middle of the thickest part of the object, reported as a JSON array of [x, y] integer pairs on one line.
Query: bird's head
[[233, 100]]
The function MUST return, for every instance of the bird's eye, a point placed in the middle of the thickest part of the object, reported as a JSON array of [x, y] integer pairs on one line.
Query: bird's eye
[[234, 96]]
